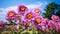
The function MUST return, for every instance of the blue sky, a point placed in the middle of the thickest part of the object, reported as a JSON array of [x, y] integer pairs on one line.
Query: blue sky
[[6, 5]]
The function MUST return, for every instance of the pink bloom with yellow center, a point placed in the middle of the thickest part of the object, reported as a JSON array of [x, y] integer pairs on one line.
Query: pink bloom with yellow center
[[37, 11], [38, 21], [54, 17], [22, 9], [29, 16], [10, 15]]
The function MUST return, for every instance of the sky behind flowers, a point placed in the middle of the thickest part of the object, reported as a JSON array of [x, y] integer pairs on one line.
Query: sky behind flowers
[[6, 5]]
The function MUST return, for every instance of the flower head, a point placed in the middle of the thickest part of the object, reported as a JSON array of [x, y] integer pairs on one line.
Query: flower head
[[57, 26], [38, 21], [10, 15], [2, 25], [51, 24], [54, 17], [29, 16], [22, 9], [37, 11], [1, 22]]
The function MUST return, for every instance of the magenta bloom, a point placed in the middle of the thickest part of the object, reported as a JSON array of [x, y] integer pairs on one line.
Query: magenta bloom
[[38, 21], [57, 26], [55, 18], [51, 24], [11, 15], [2, 25], [37, 11], [46, 20], [22, 9], [1, 22], [28, 16]]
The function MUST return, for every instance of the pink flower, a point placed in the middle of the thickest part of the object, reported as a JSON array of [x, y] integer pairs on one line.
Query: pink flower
[[57, 26], [1, 22], [55, 18], [51, 24], [28, 16], [37, 11], [2, 25], [10, 15], [22, 9], [38, 19], [38, 22]]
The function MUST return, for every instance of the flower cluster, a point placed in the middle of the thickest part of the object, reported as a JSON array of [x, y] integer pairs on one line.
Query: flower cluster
[[28, 20]]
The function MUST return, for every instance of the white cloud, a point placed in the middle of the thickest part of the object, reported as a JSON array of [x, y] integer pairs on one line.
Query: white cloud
[[5, 10], [30, 6], [36, 5]]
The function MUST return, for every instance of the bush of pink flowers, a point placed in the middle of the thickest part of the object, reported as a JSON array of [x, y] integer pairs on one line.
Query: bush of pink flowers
[[29, 22]]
